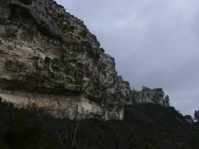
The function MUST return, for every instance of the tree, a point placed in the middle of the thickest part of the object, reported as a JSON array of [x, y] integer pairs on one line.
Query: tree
[[196, 115], [166, 100]]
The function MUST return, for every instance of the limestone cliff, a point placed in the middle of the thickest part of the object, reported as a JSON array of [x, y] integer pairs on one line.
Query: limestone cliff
[[49, 58], [148, 95]]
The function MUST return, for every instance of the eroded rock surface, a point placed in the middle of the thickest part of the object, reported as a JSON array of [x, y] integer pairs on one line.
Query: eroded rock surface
[[148, 95], [48, 56]]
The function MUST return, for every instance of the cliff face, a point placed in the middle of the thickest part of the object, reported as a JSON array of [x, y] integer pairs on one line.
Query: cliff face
[[148, 95], [49, 58]]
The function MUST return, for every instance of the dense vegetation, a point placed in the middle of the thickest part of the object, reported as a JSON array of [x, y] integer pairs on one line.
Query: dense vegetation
[[145, 126]]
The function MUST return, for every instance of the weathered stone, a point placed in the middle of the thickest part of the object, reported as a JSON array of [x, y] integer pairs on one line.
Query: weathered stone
[[47, 52], [148, 95]]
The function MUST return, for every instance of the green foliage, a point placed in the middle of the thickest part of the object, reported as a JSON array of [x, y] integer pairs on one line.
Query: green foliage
[[145, 126], [22, 129], [196, 114], [167, 100], [193, 142], [148, 146]]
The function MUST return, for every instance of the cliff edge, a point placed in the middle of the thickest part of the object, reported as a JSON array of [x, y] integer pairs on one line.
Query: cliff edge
[[48, 58]]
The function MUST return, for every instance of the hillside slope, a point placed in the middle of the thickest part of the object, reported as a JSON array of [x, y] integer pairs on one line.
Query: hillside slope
[[145, 126]]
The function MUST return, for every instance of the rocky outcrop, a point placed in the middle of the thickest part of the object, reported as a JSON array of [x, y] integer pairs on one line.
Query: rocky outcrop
[[148, 95], [49, 58]]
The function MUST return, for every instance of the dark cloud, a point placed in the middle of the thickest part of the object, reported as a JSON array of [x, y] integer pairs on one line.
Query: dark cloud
[[155, 43]]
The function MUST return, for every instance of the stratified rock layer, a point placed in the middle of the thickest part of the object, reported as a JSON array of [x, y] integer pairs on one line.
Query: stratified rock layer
[[49, 58]]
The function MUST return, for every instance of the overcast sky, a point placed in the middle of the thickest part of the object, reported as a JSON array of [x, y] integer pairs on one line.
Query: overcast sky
[[155, 43]]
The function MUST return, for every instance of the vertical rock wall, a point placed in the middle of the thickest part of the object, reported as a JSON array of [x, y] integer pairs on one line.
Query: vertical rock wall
[[45, 51]]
